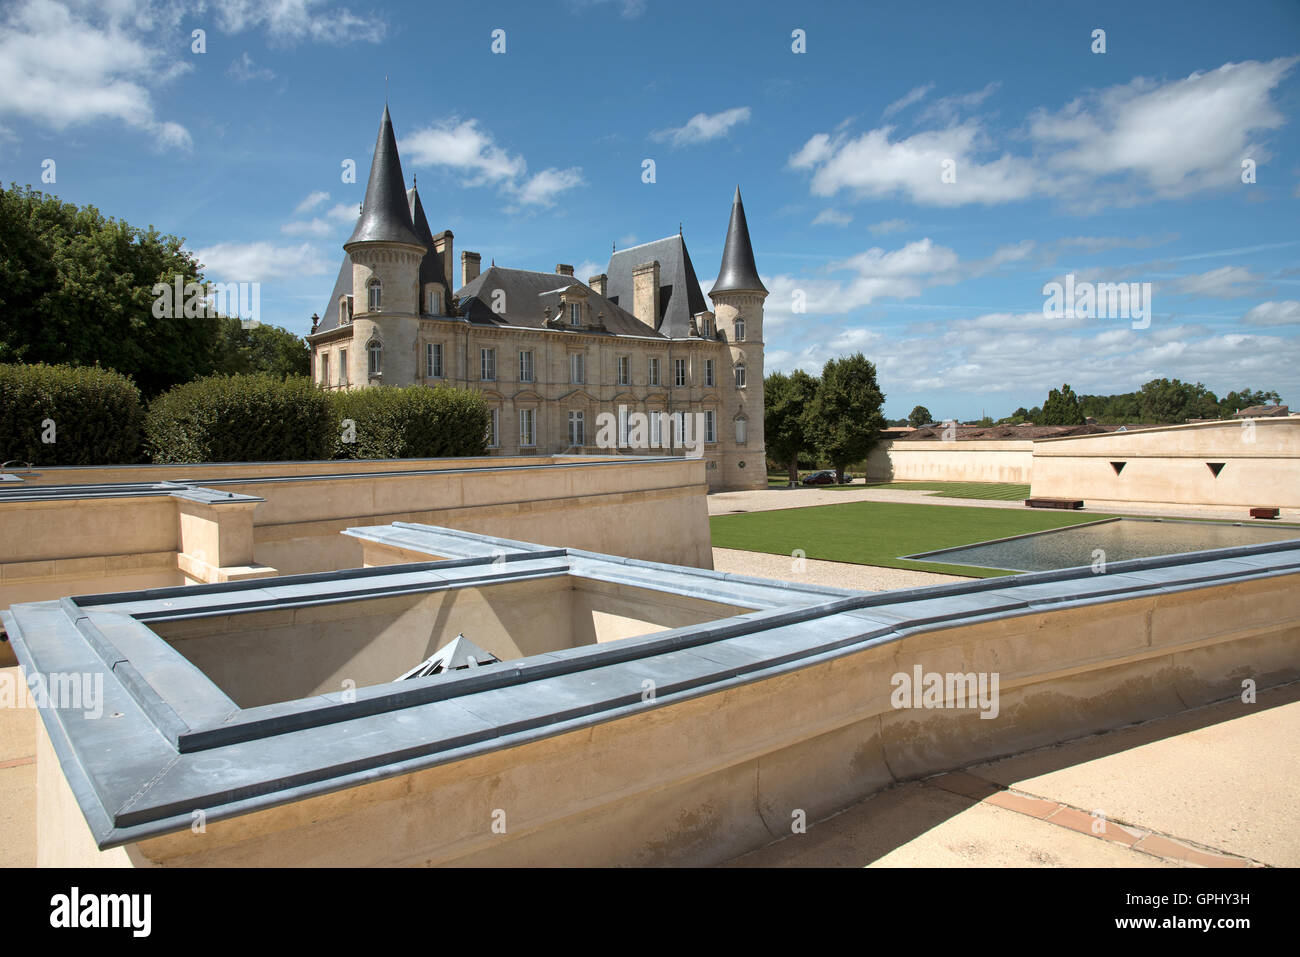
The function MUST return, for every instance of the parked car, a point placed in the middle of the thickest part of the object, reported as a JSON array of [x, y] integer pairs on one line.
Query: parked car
[[824, 477]]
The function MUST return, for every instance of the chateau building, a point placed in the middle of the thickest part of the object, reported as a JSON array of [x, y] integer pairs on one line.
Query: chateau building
[[632, 359]]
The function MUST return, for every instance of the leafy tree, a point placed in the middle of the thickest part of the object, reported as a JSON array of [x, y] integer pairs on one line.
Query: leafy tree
[[76, 287], [786, 399], [919, 416], [1234, 402], [844, 418], [1062, 408], [259, 349]]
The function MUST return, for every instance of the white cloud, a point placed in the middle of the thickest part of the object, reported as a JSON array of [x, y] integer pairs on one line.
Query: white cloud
[[242, 70], [1129, 143], [261, 261], [1174, 138], [311, 201], [629, 9], [1285, 313], [832, 217], [703, 127], [287, 22], [586, 269], [873, 165], [887, 226], [462, 145], [63, 67], [344, 213], [311, 227], [540, 189], [948, 108], [1227, 282], [907, 99]]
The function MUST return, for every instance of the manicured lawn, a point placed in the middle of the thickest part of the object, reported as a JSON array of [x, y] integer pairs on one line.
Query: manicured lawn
[[997, 491], [876, 533]]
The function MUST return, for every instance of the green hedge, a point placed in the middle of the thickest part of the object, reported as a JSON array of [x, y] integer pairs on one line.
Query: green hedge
[[92, 415], [240, 418], [411, 422]]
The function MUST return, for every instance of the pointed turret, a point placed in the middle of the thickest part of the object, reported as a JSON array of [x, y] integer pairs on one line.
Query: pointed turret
[[738, 272], [385, 215]]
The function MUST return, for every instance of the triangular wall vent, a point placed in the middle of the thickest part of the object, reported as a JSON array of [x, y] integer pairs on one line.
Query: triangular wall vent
[[1215, 467]]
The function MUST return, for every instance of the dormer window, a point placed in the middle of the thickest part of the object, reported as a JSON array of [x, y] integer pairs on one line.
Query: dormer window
[[373, 297], [345, 310], [575, 313], [740, 328]]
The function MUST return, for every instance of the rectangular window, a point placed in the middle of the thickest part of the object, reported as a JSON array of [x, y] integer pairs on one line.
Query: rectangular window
[[654, 370], [325, 370], [488, 362], [433, 360], [679, 371], [740, 377], [526, 366], [708, 372], [577, 368], [527, 428], [343, 367], [493, 436], [624, 369], [577, 429], [622, 426], [575, 313], [710, 427], [741, 428], [656, 429], [376, 359]]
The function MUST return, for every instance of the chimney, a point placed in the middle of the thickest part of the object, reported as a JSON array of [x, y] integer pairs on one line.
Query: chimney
[[469, 267], [564, 269], [598, 283], [442, 244], [645, 293]]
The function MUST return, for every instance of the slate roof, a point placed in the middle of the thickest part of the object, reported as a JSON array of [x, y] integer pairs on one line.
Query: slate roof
[[679, 289], [738, 271], [527, 294], [1261, 411], [432, 268], [385, 214]]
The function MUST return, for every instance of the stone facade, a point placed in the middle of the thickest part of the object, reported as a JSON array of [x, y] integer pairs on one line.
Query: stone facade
[[634, 361]]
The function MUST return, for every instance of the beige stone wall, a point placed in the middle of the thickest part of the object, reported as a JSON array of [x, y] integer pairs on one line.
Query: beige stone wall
[[267, 657], [1261, 465], [939, 461], [741, 402], [702, 780], [92, 545]]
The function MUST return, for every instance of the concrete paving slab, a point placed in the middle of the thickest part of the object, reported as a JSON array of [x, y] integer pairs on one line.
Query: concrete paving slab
[[916, 825]]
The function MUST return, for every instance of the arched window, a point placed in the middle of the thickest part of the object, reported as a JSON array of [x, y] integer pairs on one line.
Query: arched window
[[376, 352], [373, 297], [740, 375], [740, 328]]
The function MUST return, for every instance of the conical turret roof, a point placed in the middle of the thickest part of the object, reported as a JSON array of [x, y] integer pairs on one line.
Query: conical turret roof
[[385, 216], [738, 272]]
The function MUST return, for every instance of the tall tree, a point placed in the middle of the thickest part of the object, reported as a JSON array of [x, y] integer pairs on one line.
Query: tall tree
[[77, 288], [1062, 408], [844, 416], [920, 416], [786, 399]]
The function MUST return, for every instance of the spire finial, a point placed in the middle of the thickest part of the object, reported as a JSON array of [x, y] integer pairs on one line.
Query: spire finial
[[385, 89], [415, 180]]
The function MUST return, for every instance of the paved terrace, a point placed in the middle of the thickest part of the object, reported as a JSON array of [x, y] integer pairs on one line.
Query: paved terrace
[[177, 727]]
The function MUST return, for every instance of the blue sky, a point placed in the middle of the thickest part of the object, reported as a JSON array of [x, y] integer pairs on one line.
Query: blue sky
[[1122, 166]]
